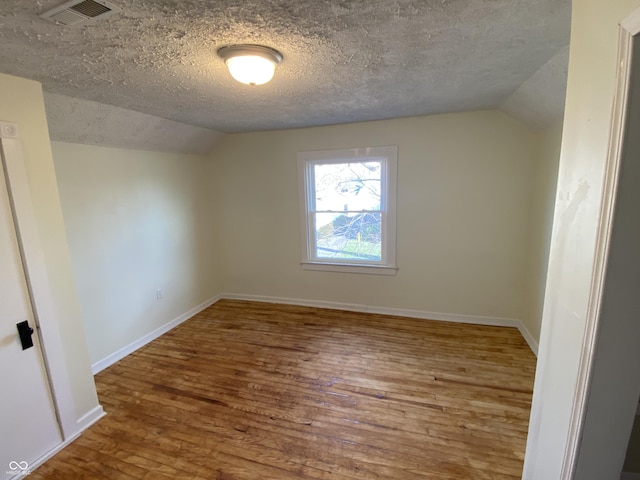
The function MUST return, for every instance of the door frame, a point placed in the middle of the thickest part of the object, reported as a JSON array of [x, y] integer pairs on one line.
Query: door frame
[[42, 300], [629, 29]]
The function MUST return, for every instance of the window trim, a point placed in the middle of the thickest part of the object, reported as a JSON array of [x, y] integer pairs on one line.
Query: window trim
[[389, 157]]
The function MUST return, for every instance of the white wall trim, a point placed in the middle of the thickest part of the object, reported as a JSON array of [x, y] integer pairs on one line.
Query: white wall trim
[[91, 417], [388, 155], [142, 341], [401, 312], [32, 253], [628, 28], [528, 337], [345, 268], [632, 23], [353, 307], [84, 422], [39, 461]]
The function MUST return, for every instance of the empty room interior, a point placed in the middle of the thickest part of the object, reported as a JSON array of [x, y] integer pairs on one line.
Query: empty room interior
[[375, 259]]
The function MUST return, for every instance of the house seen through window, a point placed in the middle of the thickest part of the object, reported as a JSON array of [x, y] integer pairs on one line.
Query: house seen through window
[[348, 209]]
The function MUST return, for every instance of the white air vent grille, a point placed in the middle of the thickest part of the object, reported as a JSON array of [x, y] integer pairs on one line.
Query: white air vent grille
[[80, 11]]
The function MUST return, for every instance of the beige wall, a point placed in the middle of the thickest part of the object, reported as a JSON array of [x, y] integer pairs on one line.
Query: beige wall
[[590, 90], [464, 199], [21, 102], [475, 195], [136, 221], [544, 183]]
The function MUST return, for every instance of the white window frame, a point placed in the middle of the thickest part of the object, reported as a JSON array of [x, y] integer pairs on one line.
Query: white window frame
[[388, 156]]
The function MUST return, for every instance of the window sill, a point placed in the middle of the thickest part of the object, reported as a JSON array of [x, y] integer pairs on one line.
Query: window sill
[[349, 268]]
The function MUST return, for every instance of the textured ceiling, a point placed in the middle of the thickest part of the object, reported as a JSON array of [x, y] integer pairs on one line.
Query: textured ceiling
[[344, 60], [91, 123], [539, 101]]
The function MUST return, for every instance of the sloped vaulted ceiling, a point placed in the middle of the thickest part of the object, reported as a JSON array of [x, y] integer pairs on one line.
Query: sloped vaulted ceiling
[[344, 60]]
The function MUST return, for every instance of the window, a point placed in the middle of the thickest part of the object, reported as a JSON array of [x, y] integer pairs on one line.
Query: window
[[347, 209]]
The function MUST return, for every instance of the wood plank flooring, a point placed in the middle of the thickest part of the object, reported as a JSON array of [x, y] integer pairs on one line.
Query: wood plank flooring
[[259, 391]]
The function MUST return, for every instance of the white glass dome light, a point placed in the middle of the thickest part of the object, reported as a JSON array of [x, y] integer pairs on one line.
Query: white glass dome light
[[251, 64]]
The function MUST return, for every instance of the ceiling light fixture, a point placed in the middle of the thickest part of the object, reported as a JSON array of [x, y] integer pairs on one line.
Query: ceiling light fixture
[[250, 64]]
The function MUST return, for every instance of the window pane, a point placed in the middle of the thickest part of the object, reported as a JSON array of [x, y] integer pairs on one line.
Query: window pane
[[348, 186], [352, 236]]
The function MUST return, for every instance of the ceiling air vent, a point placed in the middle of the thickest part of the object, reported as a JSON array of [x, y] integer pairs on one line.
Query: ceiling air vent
[[78, 12]]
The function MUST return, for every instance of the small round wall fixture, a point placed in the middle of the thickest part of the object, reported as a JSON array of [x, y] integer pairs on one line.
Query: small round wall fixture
[[250, 64]]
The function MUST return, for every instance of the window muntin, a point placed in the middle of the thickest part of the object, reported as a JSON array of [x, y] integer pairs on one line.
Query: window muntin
[[348, 207]]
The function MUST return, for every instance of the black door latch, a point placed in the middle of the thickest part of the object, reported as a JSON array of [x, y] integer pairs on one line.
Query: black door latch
[[25, 332]]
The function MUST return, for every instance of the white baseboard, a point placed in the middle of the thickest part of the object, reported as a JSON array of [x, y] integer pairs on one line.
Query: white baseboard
[[97, 413], [91, 417], [141, 342], [401, 312], [421, 314], [526, 334], [84, 422], [40, 460]]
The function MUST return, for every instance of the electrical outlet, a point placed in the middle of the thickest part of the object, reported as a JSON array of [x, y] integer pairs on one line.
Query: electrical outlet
[[159, 294]]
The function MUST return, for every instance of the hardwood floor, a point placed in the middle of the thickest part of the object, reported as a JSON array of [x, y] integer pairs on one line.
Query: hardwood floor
[[258, 391]]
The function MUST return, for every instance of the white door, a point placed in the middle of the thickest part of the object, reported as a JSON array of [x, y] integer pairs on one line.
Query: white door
[[28, 424]]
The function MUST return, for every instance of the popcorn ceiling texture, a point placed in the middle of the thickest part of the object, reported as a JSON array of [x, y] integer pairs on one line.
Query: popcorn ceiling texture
[[344, 60], [91, 123], [539, 101]]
